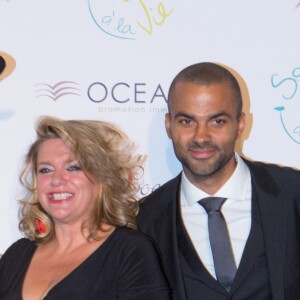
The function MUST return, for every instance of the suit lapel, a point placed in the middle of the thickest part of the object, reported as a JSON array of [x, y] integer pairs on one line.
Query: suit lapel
[[254, 247], [273, 215], [172, 238], [164, 229], [191, 264]]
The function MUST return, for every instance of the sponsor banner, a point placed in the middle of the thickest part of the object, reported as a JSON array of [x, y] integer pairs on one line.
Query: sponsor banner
[[114, 61]]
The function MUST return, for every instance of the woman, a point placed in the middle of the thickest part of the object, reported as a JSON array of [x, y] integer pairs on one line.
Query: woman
[[79, 220]]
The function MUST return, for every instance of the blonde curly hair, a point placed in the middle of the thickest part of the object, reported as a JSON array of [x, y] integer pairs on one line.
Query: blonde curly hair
[[105, 153]]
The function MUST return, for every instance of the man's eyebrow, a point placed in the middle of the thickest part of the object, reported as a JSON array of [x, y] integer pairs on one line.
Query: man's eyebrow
[[183, 114], [211, 116], [219, 114]]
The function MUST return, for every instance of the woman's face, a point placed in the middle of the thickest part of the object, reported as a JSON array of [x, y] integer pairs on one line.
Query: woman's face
[[64, 191]]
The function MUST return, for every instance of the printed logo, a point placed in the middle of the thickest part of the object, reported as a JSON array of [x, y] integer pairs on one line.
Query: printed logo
[[5, 115], [60, 89], [136, 97], [118, 97], [145, 189], [7, 65], [130, 20], [2, 64], [290, 101]]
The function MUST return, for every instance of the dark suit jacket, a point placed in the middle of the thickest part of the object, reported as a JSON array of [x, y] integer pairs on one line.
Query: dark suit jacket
[[278, 194]]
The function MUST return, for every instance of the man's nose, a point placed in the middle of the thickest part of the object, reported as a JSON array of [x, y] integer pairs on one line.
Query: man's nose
[[202, 133]]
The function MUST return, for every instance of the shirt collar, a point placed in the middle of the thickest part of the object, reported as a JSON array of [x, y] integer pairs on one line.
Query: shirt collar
[[235, 187]]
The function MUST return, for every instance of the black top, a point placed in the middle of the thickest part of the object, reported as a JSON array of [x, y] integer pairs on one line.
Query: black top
[[126, 266]]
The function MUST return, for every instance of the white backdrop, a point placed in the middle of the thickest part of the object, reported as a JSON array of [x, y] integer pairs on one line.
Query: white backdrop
[[114, 60]]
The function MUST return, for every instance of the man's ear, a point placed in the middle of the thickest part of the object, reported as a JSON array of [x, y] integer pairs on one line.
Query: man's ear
[[167, 124], [241, 125]]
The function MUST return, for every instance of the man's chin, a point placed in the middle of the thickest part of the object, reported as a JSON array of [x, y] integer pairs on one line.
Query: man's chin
[[201, 172]]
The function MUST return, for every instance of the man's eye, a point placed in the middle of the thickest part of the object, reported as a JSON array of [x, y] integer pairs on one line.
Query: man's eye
[[44, 170], [74, 168], [219, 121], [185, 121]]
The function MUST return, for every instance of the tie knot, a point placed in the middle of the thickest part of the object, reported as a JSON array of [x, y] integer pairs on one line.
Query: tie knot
[[212, 203]]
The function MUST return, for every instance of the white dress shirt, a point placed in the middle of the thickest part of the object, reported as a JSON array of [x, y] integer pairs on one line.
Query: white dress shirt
[[236, 211]]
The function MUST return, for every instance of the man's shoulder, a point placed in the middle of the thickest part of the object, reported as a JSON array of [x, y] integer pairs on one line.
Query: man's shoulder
[[272, 168], [160, 198], [164, 189], [273, 177]]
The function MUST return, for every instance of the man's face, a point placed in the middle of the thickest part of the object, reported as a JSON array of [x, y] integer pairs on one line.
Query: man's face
[[203, 125]]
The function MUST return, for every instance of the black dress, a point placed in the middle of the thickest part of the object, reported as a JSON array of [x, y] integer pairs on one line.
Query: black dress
[[126, 266]]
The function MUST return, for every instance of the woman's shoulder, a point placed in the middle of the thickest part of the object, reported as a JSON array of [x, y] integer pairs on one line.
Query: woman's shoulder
[[20, 248], [139, 261], [135, 240], [22, 242], [133, 235]]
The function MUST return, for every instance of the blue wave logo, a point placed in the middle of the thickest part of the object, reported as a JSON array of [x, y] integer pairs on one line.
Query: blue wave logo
[[60, 89], [129, 20], [290, 103], [4, 115]]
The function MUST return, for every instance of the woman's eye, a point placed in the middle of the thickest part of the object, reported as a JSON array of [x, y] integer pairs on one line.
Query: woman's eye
[[74, 168], [44, 170]]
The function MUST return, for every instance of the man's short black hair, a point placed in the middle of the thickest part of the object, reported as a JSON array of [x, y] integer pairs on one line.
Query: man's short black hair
[[208, 73]]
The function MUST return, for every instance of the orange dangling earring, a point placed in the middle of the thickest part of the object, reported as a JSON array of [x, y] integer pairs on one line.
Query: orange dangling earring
[[40, 226], [130, 176]]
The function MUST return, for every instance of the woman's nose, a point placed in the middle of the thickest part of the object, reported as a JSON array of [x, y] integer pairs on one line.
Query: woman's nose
[[58, 178]]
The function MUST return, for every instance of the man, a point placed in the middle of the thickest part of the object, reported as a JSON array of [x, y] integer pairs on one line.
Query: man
[[260, 214]]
